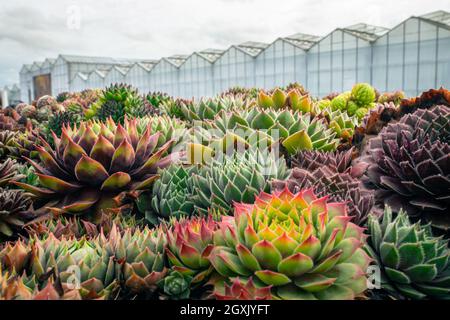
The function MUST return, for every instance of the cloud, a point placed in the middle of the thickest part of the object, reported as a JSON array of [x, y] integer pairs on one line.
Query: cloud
[[34, 30]]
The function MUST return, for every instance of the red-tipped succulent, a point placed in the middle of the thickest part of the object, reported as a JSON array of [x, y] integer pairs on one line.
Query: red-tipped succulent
[[303, 246], [94, 163], [242, 290], [189, 243]]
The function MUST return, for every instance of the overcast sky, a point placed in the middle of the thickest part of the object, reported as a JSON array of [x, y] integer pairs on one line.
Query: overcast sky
[[150, 29]]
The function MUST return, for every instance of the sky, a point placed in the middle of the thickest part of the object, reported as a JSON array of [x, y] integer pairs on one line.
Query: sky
[[150, 29]]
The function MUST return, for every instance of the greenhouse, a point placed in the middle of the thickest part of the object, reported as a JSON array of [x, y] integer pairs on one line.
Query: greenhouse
[[412, 56]]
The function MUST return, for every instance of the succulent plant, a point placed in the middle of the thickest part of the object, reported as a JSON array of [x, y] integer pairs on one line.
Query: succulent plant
[[230, 141], [27, 175], [395, 97], [117, 101], [414, 264], [340, 101], [168, 127], [340, 161], [341, 123], [45, 101], [409, 164], [142, 256], [8, 123], [426, 100], [74, 227], [28, 111], [303, 246], [363, 94], [172, 107], [171, 195], [356, 102], [14, 205], [279, 99], [189, 243], [297, 130], [340, 187], [212, 186], [324, 104], [240, 93], [378, 117], [82, 264], [236, 178], [16, 145], [95, 267], [9, 170], [208, 108], [58, 120], [157, 98], [176, 286], [94, 163], [241, 289], [14, 287], [63, 96]]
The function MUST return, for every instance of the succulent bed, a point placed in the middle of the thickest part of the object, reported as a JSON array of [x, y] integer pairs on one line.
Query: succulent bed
[[250, 195]]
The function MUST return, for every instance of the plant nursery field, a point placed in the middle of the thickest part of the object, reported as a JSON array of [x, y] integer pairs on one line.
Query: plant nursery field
[[250, 195]]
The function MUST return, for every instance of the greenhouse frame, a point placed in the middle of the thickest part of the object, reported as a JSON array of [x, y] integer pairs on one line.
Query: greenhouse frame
[[413, 56]]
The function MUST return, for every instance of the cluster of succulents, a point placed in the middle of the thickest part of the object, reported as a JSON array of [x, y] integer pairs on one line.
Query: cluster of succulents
[[296, 130], [254, 194], [279, 99], [118, 101], [356, 102], [199, 189], [408, 164]]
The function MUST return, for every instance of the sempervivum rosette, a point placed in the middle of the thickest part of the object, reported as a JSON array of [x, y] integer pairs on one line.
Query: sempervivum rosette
[[414, 264], [98, 273], [410, 164], [93, 163], [303, 246], [340, 187], [133, 259], [14, 208], [242, 290], [340, 161], [189, 243], [9, 171], [296, 129], [14, 287]]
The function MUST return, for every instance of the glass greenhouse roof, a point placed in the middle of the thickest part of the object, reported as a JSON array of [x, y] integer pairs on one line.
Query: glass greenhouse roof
[[211, 54], [123, 70], [99, 60], [102, 72], [82, 75], [441, 17], [252, 48], [302, 40], [366, 31], [177, 60], [147, 65]]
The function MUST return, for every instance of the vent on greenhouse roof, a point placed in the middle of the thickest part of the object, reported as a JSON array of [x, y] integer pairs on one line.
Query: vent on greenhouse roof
[[366, 31], [211, 54], [147, 65], [101, 73], [252, 48], [302, 40], [177, 60], [82, 76], [440, 16], [122, 70]]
